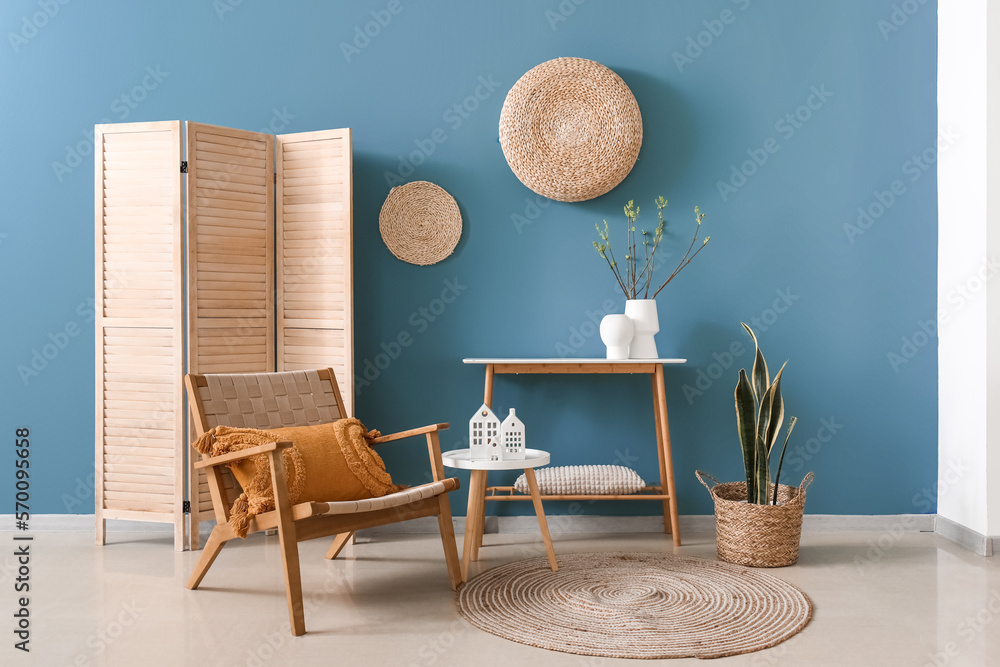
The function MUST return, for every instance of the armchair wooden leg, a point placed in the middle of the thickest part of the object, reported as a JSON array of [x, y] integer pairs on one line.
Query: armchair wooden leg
[[208, 556], [448, 541], [338, 545], [289, 545]]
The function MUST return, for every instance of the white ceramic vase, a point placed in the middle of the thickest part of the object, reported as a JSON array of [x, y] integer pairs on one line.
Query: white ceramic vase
[[646, 323], [616, 332]]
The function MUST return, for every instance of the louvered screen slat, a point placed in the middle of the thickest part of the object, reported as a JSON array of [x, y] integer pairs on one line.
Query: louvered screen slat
[[139, 337], [313, 246]]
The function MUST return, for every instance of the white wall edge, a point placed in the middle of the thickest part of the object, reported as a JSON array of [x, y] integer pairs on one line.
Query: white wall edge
[[965, 537]]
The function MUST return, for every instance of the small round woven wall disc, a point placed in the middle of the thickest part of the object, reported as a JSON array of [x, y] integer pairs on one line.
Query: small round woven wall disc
[[420, 223], [570, 129]]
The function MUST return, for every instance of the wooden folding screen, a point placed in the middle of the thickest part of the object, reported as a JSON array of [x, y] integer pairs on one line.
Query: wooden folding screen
[[314, 249], [221, 276], [139, 318]]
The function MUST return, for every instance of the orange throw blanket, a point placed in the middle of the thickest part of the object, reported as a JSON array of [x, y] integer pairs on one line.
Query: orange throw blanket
[[257, 496]]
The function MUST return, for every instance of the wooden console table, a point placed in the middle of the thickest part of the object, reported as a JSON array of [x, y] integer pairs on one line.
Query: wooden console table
[[652, 367]]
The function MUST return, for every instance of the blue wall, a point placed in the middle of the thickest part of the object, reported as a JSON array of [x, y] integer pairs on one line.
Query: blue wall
[[530, 282]]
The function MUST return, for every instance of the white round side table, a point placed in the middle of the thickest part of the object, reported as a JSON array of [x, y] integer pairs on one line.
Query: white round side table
[[476, 514]]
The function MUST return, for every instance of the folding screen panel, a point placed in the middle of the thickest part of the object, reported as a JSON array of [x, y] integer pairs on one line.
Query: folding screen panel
[[314, 255], [139, 316], [230, 263]]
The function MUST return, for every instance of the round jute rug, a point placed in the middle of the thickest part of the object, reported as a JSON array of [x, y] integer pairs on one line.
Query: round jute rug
[[635, 605]]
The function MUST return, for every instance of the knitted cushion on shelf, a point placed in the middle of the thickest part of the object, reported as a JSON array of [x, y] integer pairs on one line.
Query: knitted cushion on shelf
[[603, 479]]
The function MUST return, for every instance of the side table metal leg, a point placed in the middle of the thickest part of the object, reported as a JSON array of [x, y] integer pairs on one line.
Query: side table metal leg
[[543, 525]]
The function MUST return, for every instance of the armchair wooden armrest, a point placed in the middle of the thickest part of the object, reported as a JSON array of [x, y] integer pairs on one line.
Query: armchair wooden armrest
[[408, 434], [433, 445], [242, 454]]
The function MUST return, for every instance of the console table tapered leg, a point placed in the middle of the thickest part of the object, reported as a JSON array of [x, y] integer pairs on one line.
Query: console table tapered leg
[[660, 459], [667, 458], [543, 525]]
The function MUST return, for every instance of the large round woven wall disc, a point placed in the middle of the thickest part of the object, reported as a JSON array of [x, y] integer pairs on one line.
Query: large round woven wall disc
[[570, 129], [420, 223]]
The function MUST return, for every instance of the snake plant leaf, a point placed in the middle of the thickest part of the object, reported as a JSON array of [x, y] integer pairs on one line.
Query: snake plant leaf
[[746, 424], [777, 412], [781, 459], [761, 381], [763, 473]]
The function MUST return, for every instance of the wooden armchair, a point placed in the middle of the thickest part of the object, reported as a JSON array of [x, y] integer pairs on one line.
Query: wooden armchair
[[304, 398]]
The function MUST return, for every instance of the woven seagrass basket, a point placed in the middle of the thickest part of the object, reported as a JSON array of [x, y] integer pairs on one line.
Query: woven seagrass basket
[[757, 535]]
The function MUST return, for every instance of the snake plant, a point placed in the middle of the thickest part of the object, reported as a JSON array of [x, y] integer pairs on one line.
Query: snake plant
[[759, 414]]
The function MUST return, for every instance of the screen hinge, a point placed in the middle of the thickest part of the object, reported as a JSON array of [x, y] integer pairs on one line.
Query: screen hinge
[[187, 506], [184, 166]]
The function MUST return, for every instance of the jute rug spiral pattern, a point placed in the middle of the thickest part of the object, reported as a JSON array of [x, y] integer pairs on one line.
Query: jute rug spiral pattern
[[635, 605]]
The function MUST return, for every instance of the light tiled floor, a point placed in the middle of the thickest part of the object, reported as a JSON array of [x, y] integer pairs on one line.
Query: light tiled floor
[[879, 600]]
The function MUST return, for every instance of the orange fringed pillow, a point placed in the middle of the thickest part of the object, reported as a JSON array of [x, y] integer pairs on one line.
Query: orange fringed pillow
[[327, 462], [339, 462]]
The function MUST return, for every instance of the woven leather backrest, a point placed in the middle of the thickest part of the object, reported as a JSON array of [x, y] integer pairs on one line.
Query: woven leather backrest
[[269, 400]]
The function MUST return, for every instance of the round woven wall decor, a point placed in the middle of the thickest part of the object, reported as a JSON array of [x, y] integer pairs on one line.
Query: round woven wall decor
[[570, 129], [420, 223], [635, 605]]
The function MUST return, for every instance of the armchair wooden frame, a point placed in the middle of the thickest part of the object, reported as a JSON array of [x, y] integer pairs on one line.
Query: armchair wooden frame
[[243, 405]]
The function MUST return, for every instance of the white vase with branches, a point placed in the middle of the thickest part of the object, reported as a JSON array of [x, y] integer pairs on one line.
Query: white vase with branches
[[635, 279]]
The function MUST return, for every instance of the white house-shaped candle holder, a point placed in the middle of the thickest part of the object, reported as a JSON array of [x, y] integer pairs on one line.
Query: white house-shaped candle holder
[[512, 438], [484, 436]]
